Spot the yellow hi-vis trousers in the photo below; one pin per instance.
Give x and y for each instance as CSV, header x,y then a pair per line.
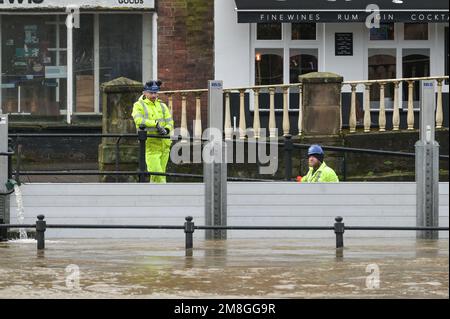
x,y
157,156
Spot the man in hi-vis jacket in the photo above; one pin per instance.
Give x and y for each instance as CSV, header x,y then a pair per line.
x,y
151,114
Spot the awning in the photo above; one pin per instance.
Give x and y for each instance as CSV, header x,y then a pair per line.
x,y
316,11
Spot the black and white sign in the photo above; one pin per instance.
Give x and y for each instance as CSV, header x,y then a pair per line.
x,y
343,43
320,11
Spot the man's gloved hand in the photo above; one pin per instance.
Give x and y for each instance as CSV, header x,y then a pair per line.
x,y
142,127
161,130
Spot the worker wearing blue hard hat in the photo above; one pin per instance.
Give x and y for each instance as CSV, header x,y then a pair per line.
x,y
318,172
152,115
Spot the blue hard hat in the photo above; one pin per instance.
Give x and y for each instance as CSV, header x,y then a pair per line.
x,y
315,150
152,86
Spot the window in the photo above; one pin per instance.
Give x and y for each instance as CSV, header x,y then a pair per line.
x,y
382,65
304,31
34,71
416,63
269,31
302,61
83,65
268,66
386,31
416,31
120,52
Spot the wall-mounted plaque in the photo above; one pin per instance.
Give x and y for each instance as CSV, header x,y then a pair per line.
x,y
343,43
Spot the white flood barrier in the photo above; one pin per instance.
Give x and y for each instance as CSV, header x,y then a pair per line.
x,y
249,204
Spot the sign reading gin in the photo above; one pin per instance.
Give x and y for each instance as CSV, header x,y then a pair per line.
x,y
84,4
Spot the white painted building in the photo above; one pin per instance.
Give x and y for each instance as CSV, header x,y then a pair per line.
x,y
256,42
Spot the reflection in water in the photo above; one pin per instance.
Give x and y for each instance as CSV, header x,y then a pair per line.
x,y
260,268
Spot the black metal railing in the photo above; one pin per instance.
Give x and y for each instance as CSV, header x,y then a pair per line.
x,y
189,228
288,147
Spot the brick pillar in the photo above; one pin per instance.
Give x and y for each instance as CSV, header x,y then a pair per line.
x,y
186,50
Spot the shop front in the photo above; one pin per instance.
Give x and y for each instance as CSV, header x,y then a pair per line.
x,y
55,57
273,42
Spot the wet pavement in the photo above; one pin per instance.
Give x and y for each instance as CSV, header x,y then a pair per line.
x,y
282,268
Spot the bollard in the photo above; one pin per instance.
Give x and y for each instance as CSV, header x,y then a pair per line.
x,y
189,231
142,137
288,157
41,226
339,231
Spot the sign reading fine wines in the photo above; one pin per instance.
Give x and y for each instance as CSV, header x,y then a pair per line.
x,y
330,16
57,4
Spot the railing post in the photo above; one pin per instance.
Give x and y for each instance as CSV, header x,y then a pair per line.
x,y
198,117
367,119
189,231
227,126
396,114
352,120
288,157
439,114
117,158
286,123
170,98
300,110
242,122
18,154
142,137
256,118
272,122
382,113
41,226
3,232
410,118
11,150
184,129
339,229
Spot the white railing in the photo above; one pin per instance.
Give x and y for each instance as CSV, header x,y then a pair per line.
x,y
381,84
286,89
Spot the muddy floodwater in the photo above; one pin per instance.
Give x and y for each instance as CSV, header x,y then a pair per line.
x,y
247,268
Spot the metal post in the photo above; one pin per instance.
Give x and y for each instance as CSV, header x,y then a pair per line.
x,y
3,231
288,157
339,229
117,157
10,149
427,165
142,137
215,167
345,167
18,151
41,226
4,175
189,231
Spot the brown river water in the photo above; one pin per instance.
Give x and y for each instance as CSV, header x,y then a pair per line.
x,y
244,268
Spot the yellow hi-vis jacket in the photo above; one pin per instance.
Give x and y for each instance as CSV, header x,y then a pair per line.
x,y
148,113
323,174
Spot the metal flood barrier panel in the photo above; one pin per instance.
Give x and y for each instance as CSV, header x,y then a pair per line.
x,y
248,204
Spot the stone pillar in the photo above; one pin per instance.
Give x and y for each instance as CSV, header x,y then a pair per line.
x,y
118,97
321,103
